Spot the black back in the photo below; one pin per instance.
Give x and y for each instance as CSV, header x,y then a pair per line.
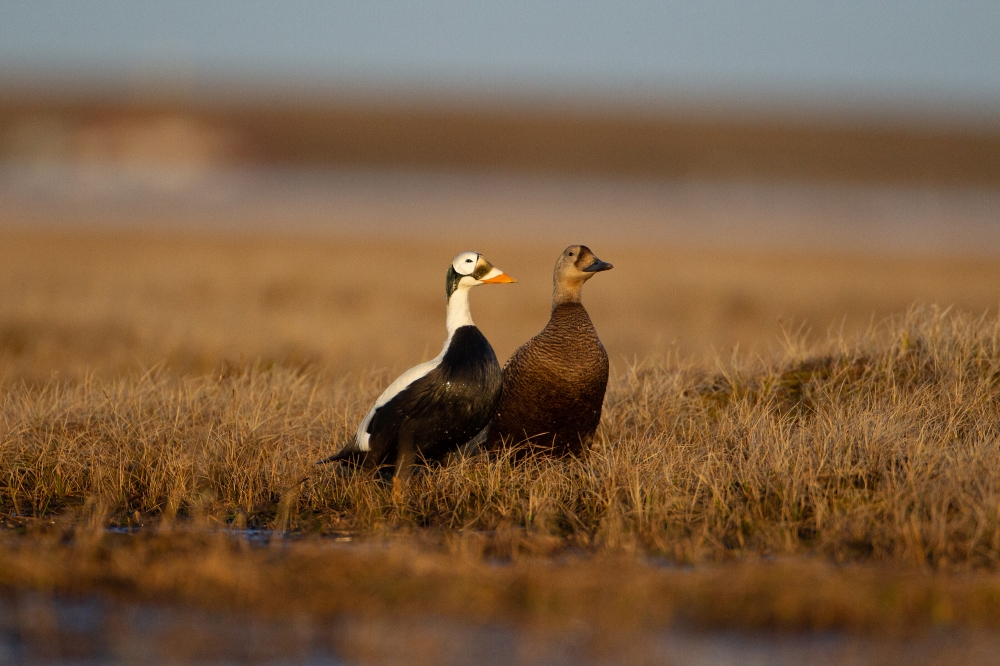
x,y
445,408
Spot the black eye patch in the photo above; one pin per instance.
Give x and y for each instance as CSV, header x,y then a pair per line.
x,y
481,271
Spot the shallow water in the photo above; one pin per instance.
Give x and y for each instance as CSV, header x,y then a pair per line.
x,y
35,628
251,536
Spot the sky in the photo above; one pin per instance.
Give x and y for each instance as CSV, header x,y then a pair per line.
x,y
925,52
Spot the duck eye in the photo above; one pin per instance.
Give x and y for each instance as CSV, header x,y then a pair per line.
x,y
468,261
571,254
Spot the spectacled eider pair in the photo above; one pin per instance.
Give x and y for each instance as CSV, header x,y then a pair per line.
x,y
549,395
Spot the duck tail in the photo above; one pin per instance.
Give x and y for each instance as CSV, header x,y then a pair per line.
x,y
348,454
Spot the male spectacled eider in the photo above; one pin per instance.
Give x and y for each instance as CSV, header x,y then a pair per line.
x,y
435,407
553,385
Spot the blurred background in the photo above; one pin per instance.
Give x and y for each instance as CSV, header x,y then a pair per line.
x,y
202,182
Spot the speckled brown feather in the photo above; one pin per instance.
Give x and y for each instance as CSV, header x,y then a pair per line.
x,y
553,385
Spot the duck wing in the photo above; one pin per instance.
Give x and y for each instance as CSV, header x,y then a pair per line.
x,y
360,444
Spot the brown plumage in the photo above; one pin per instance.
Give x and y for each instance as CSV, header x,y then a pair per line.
x,y
553,385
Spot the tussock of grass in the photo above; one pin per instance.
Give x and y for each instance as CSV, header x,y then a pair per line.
x,y
403,577
885,448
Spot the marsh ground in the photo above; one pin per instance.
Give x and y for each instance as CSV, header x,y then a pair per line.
x,y
108,302
776,453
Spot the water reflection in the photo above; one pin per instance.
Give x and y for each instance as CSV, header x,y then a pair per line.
x,y
35,628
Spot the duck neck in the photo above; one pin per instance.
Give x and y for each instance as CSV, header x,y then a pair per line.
x,y
566,291
458,310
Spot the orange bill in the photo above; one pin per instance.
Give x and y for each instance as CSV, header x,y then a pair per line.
x,y
502,278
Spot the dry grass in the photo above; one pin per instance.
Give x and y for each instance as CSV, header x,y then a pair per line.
x,y
396,602
110,304
884,450
405,577
864,462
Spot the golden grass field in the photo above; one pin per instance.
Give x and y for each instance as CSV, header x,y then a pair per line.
x,y
790,441
109,303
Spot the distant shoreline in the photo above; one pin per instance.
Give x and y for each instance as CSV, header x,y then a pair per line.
x,y
563,136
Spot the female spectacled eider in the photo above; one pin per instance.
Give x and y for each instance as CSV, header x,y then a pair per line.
x,y
437,406
553,385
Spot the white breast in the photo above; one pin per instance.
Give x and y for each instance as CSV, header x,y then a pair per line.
x,y
458,316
